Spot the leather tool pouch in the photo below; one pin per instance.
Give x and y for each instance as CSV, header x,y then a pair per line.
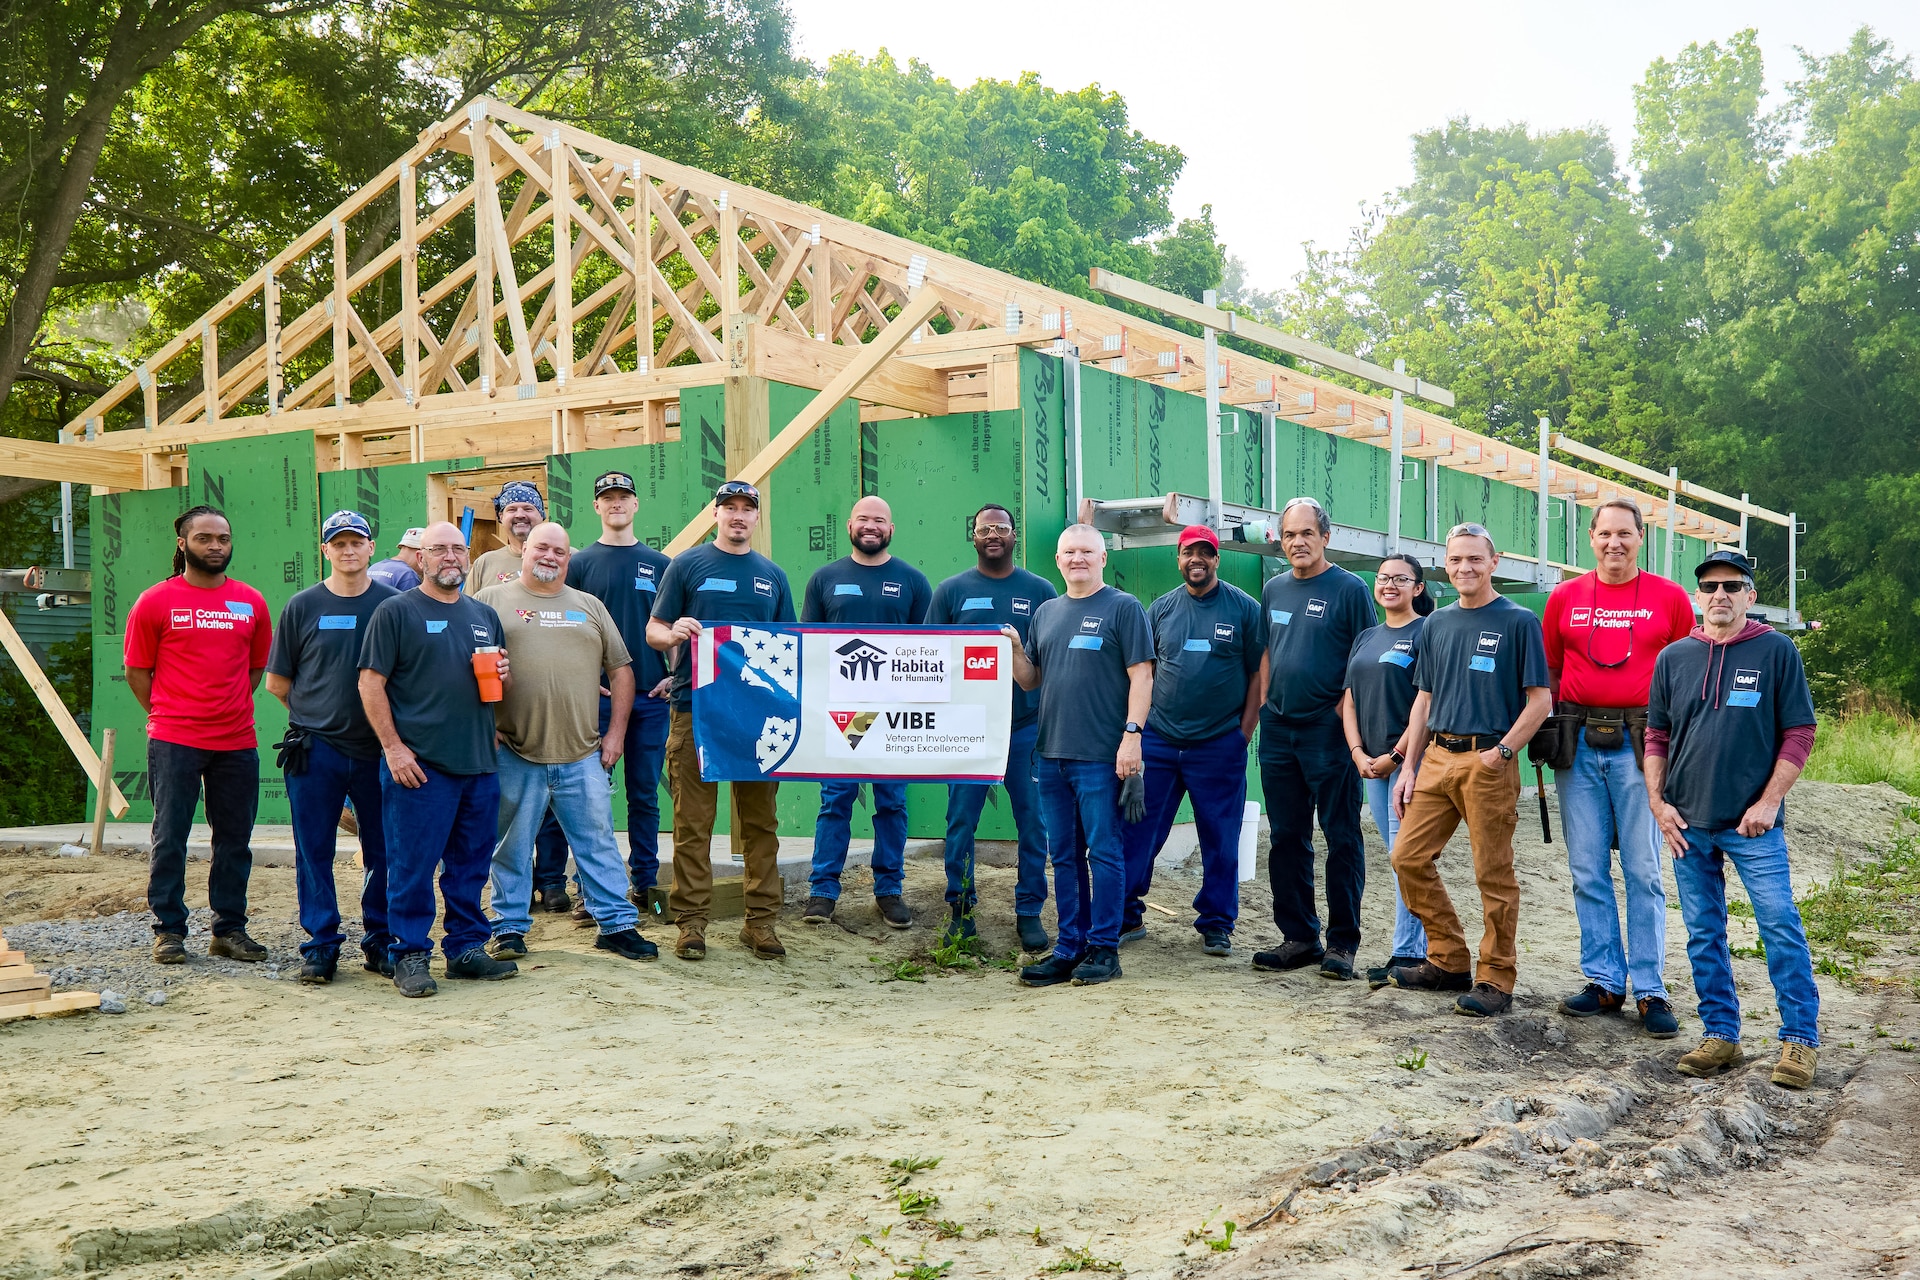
x,y
1554,742
1606,730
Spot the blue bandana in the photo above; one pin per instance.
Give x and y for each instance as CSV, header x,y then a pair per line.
x,y
520,491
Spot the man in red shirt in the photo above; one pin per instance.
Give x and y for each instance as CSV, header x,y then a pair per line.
x,y
1603,631
196,647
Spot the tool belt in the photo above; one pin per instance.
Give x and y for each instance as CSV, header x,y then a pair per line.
x,y
292,749
1474,742
1606,729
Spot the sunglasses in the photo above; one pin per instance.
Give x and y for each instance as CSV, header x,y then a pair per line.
x,y
1730,586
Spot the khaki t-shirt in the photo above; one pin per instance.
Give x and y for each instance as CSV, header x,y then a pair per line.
x,y
502,564
557,648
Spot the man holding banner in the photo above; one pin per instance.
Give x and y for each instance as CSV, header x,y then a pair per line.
x,y
870,587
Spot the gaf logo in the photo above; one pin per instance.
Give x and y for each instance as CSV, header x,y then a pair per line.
x,y
1021,608
1489,642
982,662
1316,608
890,590
1580,618
860,660
763,585
1090,626
1223,631
1746,680
182,618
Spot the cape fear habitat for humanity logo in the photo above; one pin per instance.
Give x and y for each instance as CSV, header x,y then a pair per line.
x,y
860,660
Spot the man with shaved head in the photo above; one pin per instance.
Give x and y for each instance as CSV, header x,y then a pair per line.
x,y
868,587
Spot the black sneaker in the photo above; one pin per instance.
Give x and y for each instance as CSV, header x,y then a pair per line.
x,y
1033,935
1594,999
1132,932
1484,1001
411,977
169,948
237,946
1657,1020
555,901
379,962
894,911
1101,965
819,910
318,971
1428,976
628,943
1378,978
475,963
1288,955
1050,972
1217,942
959,927
507,946
1338,965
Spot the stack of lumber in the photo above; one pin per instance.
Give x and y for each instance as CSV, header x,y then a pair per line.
x,y
27,994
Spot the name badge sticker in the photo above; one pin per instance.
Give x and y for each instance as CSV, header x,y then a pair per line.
x,y
646,584
1198,646
1084,642
1281,617
1743,698
576,615
847,589
976,602
436,625
1481,662
1399,659
239,608
1746,689
719,584
338,622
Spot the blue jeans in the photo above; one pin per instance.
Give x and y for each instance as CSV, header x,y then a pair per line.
x,y
833,831
1080,802
582,802
315,796
1214,773
642,759
1762,864
175,775
1409,935
447,822
965,800
1303,768
1603,801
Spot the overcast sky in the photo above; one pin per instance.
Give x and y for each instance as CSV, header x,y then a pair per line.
x,y
1294,115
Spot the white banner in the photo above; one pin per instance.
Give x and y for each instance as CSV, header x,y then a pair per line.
x,y
779,701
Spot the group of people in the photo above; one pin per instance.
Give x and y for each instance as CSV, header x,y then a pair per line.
x,y
471,720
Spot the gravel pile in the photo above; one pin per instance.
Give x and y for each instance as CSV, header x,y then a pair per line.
x,y
115,952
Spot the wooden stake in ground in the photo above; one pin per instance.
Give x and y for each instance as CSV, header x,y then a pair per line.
x,y
102,782
57,710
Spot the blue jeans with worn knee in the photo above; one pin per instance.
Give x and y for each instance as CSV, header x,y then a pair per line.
x,y
448,823
582,803
643,756
1080,802
833,832
1702,877
1603,802
1214,774
1409,935
966,800
315,795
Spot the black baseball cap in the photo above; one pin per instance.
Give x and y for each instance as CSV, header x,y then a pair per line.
x,y
610,480
736,489
1731,559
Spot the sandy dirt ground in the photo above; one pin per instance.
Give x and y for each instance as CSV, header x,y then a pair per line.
x,y
741,1118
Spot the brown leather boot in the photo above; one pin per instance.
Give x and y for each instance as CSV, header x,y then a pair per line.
x,y
1710,1059
1795,1069
762,940
693,942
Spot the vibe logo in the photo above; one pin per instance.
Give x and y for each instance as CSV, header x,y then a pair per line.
x,y
981,662
860,660
854,725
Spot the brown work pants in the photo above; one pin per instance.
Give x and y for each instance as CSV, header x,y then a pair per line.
x,y
756,834
1451,787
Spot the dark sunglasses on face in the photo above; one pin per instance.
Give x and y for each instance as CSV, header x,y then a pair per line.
x,y
1731,586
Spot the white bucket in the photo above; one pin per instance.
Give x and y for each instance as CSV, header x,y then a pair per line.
x,y
1249,840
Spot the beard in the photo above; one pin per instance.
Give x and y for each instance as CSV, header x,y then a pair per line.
x,y
872,540
543,574
213,564
521,528
450,576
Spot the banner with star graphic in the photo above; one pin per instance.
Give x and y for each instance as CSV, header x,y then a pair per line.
x,y
783,701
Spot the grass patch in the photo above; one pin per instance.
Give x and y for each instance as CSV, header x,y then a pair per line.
x,y
1878,896
1082,1259
1411,1061
914,1164
899,970
1870,740
912,1201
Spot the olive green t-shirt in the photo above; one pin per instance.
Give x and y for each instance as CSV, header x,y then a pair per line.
x,y
557,648
502,564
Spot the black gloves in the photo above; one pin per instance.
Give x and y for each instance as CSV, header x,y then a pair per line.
x,y
1133,797
293,750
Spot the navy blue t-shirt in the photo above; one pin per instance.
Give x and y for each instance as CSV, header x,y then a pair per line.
x,y
717,586
1207,650
1380,674
317,646
1478,664
1311,626
1726,709
971,599
627,581
425,650
1083,649
849,593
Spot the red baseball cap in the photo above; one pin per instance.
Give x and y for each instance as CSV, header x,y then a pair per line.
x,y
1198,533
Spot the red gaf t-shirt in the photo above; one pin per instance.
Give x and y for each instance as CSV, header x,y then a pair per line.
x,y
1588,623
203,644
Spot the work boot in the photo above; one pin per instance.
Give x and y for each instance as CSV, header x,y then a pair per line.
x,y
1428,976
1050,972
692,944
894,911
760,939
819,910
237,946
411,977
1134,932
1795,1068
1710,1059
169,948
1217,942
582,918
554,900
476,964
1101,965
379,962
1033,935
1484,1001
1592,1000
1338,965
1288,955
507,946
1657,1020
318,971
1378,978
959,928
628,943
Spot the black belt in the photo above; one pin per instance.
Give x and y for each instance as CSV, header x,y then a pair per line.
x,y
1475,742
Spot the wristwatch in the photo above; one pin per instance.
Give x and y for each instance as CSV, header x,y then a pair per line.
x,y
1397,757
1506,752
1132,727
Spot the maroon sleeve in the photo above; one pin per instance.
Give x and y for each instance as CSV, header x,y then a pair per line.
x,y
1796,744
1657,742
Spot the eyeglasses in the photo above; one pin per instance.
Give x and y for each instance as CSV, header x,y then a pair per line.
x,y
441,552
1727,585
1394,579
993,530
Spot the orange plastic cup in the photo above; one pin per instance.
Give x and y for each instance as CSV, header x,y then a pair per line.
x,y
486,670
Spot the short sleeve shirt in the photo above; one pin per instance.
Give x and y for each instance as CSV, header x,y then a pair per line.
x,y
1478,665
395,573
425,649
972,599
203,645
1311,626
1603,639
717,586
318,648
558,647
1083,649
493,568
1725,709
1380,675
851,593
627,581
1207,650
